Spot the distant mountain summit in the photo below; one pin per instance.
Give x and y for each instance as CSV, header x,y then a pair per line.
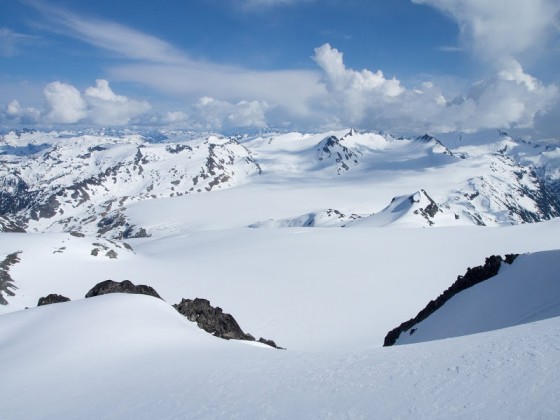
x,y
84,181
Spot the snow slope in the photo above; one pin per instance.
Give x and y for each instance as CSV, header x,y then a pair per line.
x,y
130,356
308,289
527,290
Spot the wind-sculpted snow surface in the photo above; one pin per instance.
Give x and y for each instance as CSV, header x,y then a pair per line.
x,y
133,356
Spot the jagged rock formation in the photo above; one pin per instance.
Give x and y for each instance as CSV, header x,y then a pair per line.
x,y
214,321
126,286
7,285
52,298
473,276
332,149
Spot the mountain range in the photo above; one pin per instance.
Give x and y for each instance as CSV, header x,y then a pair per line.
x,y
326,243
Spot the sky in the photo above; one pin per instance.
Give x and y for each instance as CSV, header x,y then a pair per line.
x,y
401,66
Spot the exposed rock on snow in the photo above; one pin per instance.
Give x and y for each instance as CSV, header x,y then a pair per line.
x,y
126,286
331,149
214,321
52,298
473,276
324,218
7,225
7,285
417,209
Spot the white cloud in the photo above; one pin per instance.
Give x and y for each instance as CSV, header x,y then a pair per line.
x,y
216,114
510,98
267,4
502,28
225,96
107,108
65,104
175,117
15,113
355,91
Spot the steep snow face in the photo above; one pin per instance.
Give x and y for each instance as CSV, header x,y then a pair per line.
x,y
526,291
133,356
417,209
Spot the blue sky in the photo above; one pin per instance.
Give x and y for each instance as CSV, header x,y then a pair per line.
x,y
400,65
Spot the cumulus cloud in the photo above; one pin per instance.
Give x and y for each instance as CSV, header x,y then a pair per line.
x,y
107,108
221,96
216,114
15,113
510,98
502,27
65,104
356,91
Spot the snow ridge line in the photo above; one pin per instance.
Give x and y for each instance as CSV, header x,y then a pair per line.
x,y
472,277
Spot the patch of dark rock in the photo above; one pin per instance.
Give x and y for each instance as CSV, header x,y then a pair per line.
x,y
59,250
96,149
77,234
270,343
177,148
52,298
111,254
7,285
112,221
126,286
134,232
7,225
472,277
214,321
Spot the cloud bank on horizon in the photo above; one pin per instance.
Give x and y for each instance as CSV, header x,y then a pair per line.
x,y
213,95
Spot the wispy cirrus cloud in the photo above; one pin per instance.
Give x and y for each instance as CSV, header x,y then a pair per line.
x,y
220,95
11,41
502,28
258,5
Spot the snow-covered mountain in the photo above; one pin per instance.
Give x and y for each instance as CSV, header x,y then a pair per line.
x,y
61,181
376,227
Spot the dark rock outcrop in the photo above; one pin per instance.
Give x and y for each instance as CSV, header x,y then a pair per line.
x,y
126,286
473,276
214,321
52,298
7,285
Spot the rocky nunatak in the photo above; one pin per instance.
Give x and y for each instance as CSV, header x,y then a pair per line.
x,y
126,286
52,298
214,321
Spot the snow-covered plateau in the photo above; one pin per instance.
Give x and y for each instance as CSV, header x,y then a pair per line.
x,y
321,242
